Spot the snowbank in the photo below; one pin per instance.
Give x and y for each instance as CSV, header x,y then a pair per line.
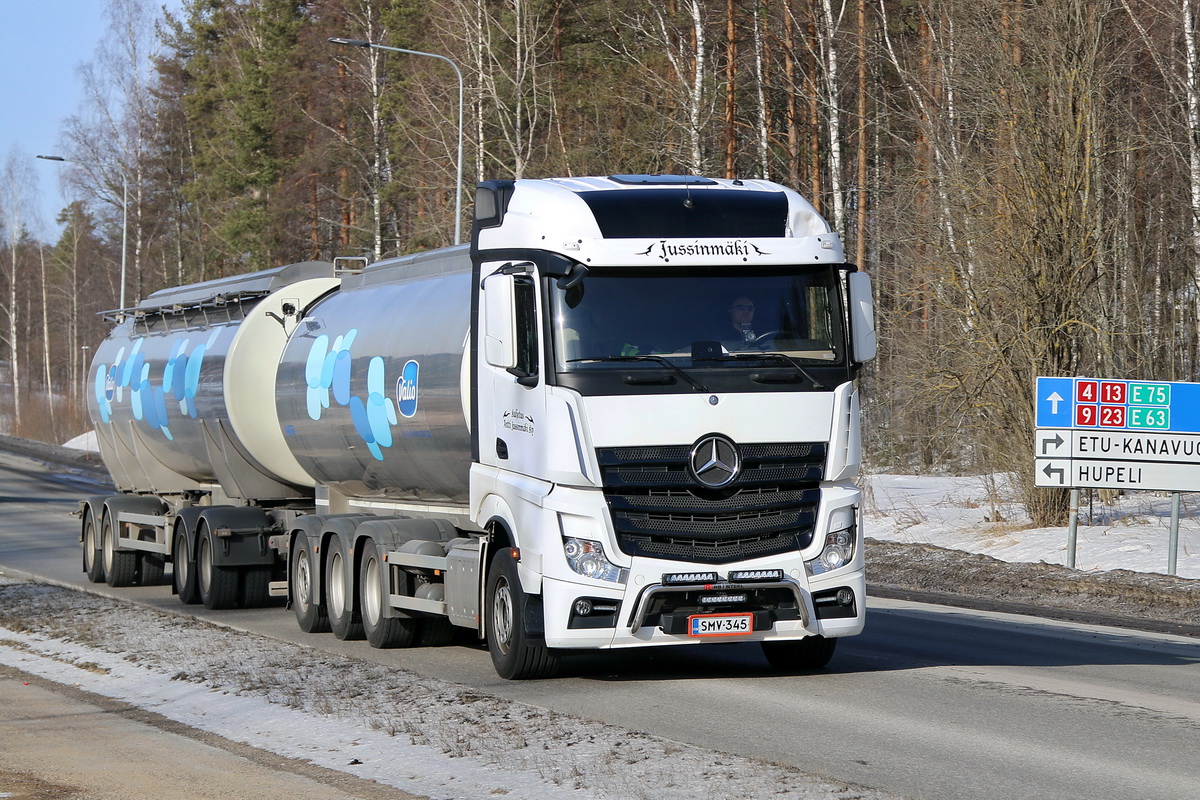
x,y
978,514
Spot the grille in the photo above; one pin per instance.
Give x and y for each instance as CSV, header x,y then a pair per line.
x,y
660,511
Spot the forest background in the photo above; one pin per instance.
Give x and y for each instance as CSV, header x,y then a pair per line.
x,y
1020,177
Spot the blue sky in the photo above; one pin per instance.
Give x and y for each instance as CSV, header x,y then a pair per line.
x,y
43,43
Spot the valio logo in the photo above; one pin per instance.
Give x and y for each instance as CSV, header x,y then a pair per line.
x,y
406,389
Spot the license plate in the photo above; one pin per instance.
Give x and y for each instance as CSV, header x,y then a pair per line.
x,y
720,624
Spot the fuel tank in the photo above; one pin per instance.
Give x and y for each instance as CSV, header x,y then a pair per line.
x,y
371,386
182,390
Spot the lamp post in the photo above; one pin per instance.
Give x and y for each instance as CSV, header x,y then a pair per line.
x,y
458,72
83,382
124,209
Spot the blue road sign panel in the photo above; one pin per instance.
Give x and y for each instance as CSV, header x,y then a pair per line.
x,y
1115,404
1054,406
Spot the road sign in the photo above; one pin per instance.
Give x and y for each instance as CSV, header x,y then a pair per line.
x,y
1125,445
1102,433
1112,474
1115,404
1054,402
1117,434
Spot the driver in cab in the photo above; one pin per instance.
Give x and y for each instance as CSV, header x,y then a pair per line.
x,y
741,318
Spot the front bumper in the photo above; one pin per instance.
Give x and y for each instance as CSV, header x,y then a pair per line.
x,y
648,612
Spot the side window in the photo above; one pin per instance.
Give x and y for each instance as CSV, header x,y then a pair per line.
x,y
525,302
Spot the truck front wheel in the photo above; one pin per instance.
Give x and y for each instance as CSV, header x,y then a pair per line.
x,y
514,654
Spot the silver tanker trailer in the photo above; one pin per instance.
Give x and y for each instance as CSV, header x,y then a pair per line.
x,y
623,416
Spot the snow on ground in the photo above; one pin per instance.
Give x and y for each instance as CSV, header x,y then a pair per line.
x,y
979,515
421,735
84,441
441,740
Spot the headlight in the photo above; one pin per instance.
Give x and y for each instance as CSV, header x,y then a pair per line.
x,y
587,558
837,552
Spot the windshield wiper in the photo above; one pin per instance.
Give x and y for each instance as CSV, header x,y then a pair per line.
x,y
699,387
778,356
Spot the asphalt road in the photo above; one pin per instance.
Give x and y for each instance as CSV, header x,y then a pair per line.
x,y
931,702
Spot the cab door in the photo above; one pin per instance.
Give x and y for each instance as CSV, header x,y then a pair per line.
x,y
511,386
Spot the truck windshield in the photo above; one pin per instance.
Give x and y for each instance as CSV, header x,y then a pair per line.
x,y
699,319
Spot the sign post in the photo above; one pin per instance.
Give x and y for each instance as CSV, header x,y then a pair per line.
x,y
1118,434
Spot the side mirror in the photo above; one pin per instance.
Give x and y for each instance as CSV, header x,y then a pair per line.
x,y
862,318
499,322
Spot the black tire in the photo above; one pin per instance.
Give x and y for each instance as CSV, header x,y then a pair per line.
x,y
255,586
302,582
151,568
381,631
803,655
515,655
217,585
93,560
340,598
183,571
120,569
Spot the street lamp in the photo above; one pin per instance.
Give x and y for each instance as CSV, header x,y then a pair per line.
x,y
84,369
124,208
458,72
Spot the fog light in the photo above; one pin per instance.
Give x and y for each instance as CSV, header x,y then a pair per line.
x,y
583,607
845,597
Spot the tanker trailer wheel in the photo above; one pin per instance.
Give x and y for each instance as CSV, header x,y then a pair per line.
x,y
218,586
515,656
339,592
93,563
803,655
301,584
119,568
381,631
183,569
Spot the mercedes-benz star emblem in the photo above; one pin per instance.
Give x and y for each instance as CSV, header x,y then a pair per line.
x,y
715,461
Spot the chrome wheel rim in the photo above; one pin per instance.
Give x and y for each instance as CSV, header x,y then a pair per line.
x,y
502,615
204,563
372,589
337,582
303,580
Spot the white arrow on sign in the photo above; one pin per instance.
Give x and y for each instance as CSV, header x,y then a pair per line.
x,y
1055,398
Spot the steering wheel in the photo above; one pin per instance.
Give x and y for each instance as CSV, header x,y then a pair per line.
x,y
762,339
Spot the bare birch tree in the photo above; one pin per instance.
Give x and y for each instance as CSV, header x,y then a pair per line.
x,y
363,68
509,47
111,130
682,42
828,25
18,187
1181,76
